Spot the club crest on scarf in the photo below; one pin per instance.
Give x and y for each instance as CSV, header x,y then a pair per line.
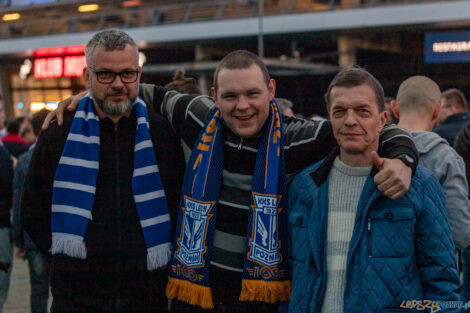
x,y
191,247
264,244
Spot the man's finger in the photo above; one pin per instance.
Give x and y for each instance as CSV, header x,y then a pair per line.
x,y
388,184
376,160
391,189
398,194
47,121
381,177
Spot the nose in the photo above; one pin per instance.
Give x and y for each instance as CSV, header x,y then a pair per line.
x,y
242,103
350,118
117,83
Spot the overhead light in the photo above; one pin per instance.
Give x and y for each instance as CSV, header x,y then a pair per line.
x,y
11,16
37,106
88,8
131,3
25,69
142,59
51,105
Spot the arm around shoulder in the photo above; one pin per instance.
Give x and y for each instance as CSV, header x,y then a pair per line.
x,y
397,142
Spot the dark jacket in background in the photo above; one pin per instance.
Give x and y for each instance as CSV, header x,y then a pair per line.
x,y
462,146
6,179
20,238
114,276
15,145
451,126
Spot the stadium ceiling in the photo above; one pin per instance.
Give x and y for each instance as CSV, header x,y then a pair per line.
x,y
276,67
397,15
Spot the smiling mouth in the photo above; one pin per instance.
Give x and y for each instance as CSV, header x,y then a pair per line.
x,y
350,134
244,118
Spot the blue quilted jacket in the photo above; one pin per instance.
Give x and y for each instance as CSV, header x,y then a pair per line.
x,y
400,249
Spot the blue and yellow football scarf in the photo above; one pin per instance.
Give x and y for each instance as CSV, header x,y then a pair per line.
x,y
265,274
74,187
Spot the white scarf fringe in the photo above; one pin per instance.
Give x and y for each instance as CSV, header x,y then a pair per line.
x,y
158,256
71,245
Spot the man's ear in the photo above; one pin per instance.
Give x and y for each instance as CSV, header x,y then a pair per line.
x,y
394,106
214,95
140,73
86,77
272,88
436,111
383,118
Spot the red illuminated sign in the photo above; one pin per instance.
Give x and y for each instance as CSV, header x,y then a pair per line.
x,y
60,61
73,65
59,51
48,67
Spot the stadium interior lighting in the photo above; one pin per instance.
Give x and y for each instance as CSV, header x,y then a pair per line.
x,y
131,3
88,8
37,106
11,16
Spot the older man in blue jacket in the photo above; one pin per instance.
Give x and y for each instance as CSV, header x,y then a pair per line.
x,y
353,249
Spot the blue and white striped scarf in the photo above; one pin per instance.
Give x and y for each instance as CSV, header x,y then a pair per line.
x,y
75,186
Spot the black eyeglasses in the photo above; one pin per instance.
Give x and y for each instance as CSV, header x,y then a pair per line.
x,y
107,77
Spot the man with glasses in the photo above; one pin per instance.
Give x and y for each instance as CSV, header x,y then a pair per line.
x,y
102,191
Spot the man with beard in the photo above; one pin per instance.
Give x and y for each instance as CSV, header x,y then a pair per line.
x,y
101,189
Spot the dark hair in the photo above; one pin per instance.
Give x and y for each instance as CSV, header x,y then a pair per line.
x,y
37,120
13,127
456,96
353,77
240,59
183,84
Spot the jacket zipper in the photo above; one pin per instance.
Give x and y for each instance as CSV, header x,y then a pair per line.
x,y
369,238
240,144
119,218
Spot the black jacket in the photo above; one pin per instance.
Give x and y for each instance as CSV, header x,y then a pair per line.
x,y
114,277
6,187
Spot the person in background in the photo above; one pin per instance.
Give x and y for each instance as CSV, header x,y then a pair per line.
x,y
15,145
38,261
183,84
454,115
285,106
391,118
27,132
6,251
418,106
462,146
353,249
3,129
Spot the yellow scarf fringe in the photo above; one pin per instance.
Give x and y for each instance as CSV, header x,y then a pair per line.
x,y
190,293
265,291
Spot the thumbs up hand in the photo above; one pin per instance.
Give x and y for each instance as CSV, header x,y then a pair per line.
x,y
394,176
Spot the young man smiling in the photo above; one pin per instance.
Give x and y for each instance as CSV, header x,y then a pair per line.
x,y
242,92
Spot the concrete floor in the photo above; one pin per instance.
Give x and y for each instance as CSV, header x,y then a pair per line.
x,y
18,296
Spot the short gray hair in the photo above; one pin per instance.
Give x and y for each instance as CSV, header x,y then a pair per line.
x,y
110,39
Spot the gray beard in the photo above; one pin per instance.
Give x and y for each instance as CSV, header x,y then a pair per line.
x,y
114,109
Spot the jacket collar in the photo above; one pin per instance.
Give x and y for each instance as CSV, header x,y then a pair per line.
x,y
320,175
463,116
